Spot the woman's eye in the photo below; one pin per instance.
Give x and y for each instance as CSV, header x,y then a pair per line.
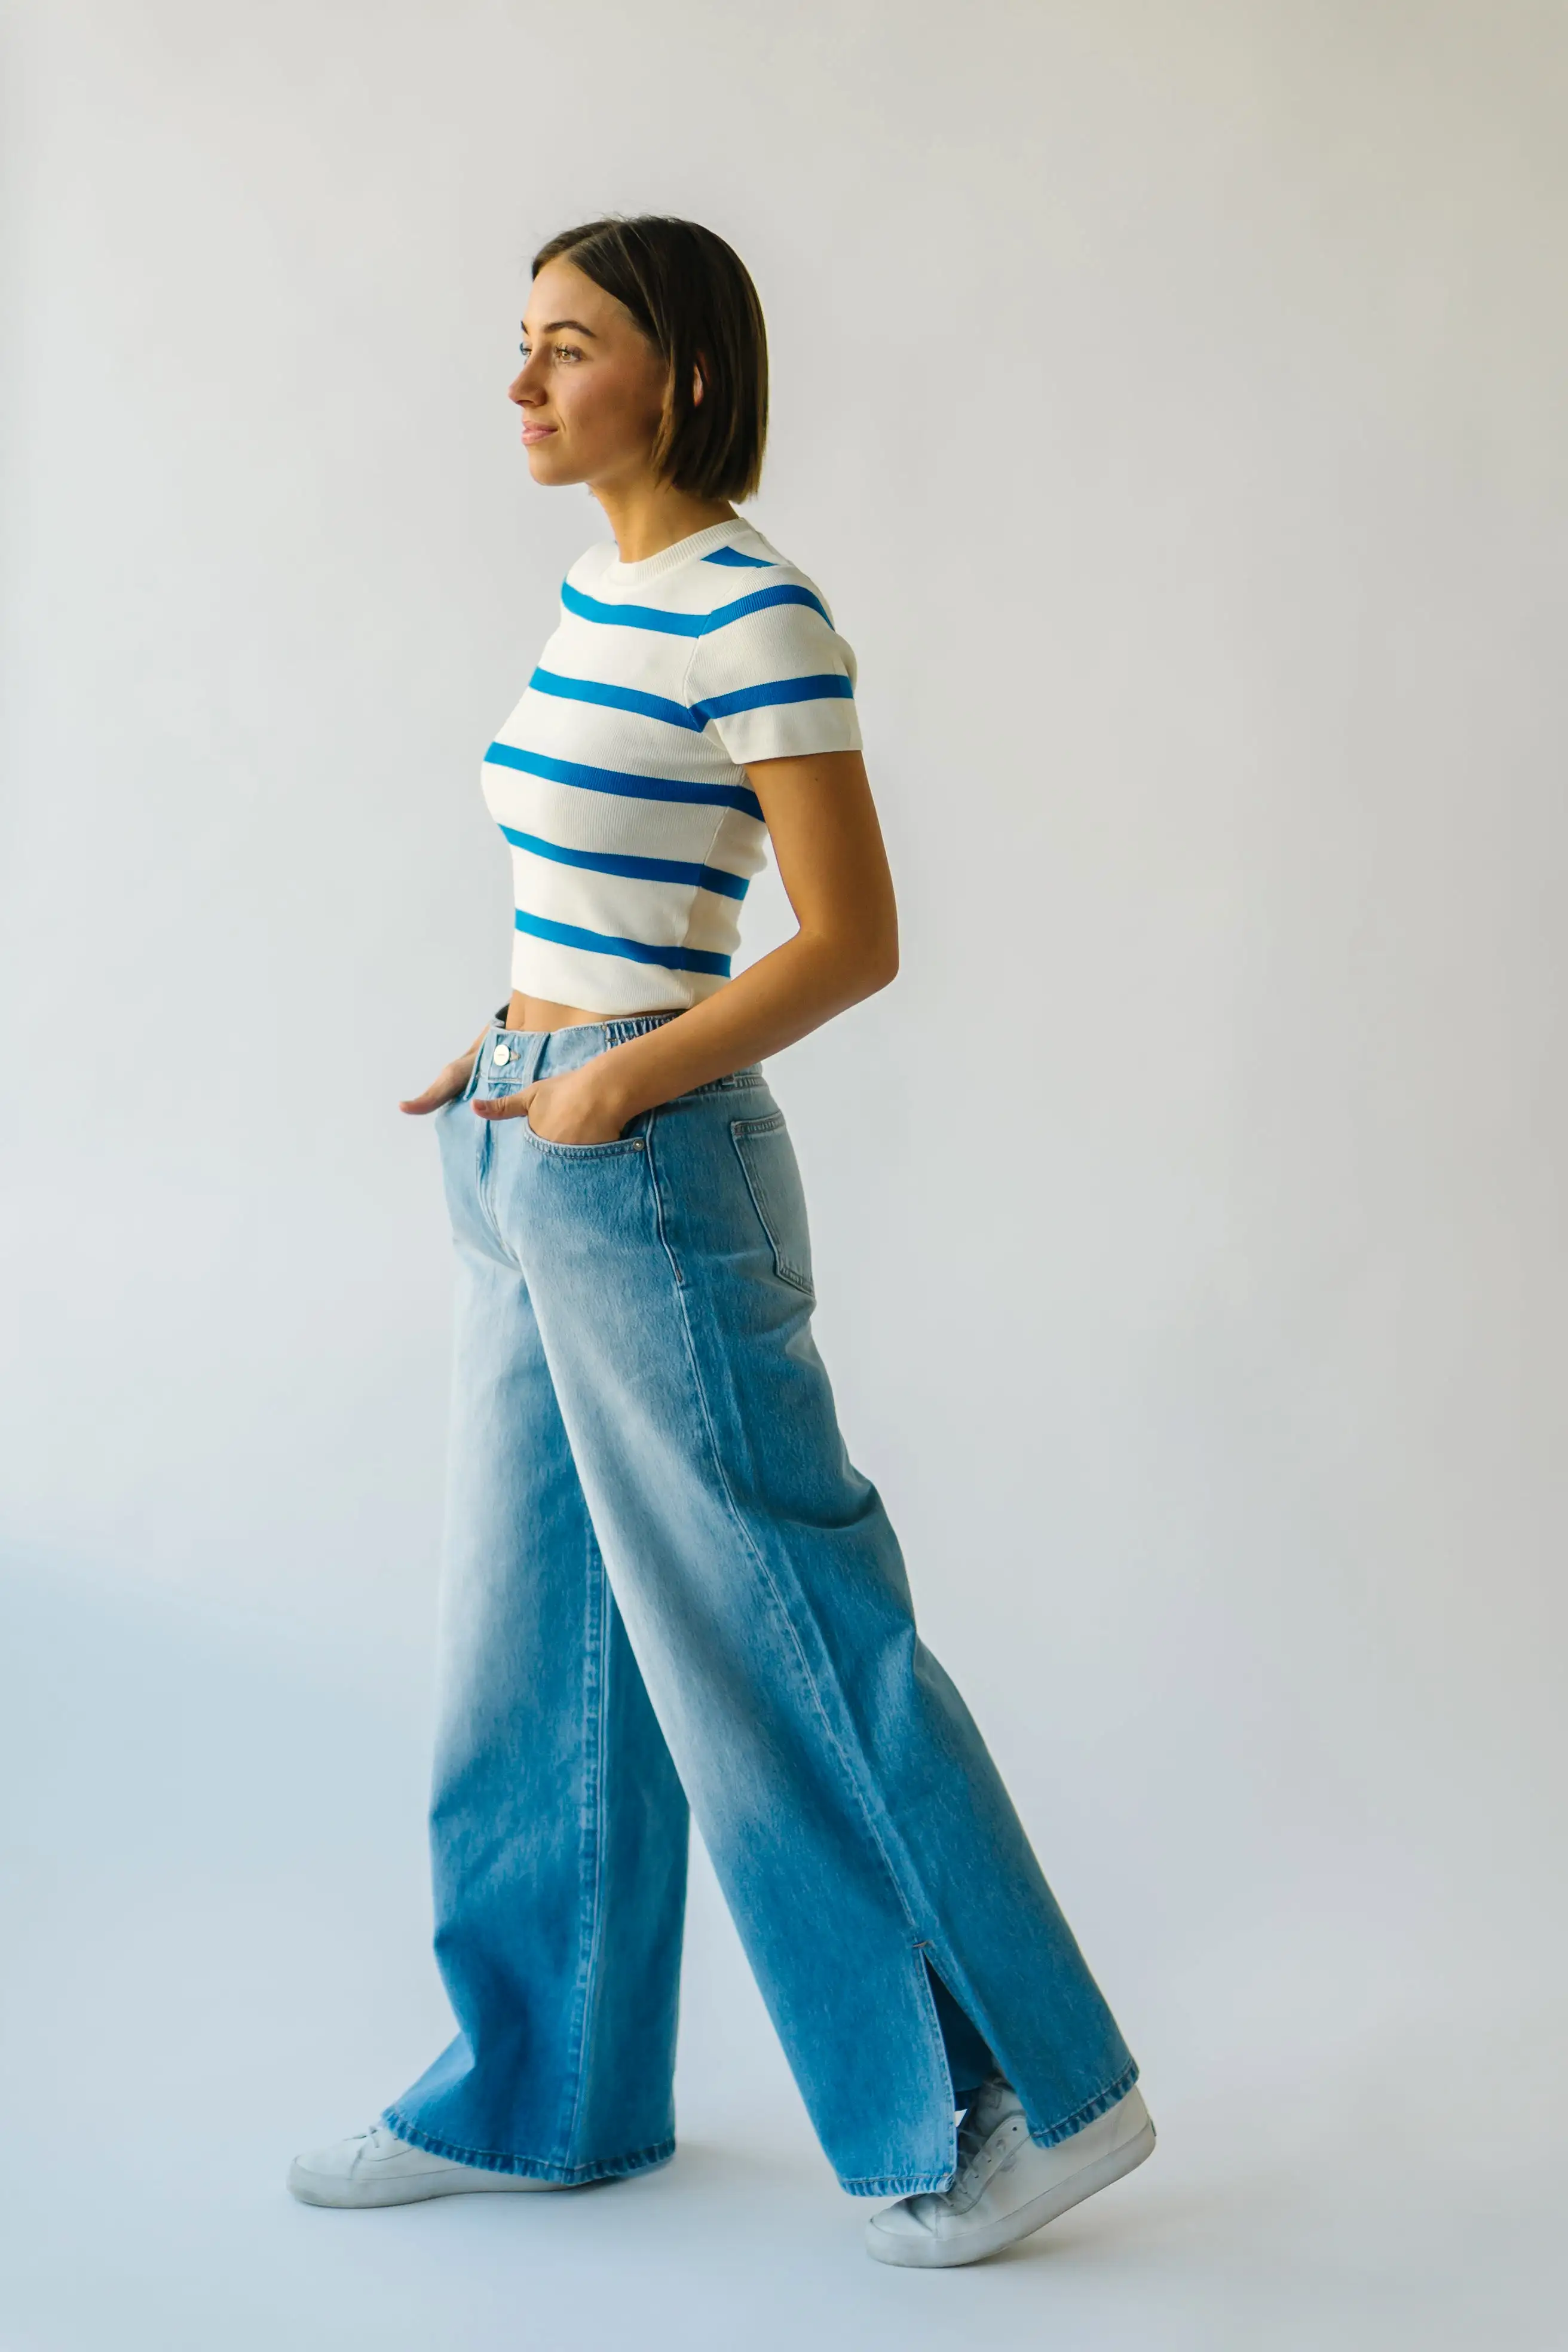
x,y
558,350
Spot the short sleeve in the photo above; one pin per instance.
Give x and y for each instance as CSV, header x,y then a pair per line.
x,y
772,678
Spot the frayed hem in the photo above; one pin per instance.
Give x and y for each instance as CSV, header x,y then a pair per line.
x,y
893,2184
528,2167
1083,2117
916,2184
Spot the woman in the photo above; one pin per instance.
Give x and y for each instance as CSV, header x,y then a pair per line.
x,y
663,1579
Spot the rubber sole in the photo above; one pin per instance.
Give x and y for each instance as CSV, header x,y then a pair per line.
x,y
317,2188
951,2252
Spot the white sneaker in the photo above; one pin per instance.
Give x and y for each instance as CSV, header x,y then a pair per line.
x,y
1005,2186
377,2167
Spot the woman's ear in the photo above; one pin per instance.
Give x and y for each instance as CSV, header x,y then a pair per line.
x,y
697,379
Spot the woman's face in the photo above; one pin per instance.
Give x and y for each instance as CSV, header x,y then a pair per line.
x,y
591,387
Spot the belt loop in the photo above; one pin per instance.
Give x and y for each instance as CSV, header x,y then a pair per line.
x,y
536,1045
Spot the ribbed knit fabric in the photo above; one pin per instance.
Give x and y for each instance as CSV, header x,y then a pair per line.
x,y
619,780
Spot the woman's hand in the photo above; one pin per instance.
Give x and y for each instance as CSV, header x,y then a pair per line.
x,y
582,1105
828,849
448,1086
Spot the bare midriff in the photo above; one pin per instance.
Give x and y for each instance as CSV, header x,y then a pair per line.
x,y
537,1013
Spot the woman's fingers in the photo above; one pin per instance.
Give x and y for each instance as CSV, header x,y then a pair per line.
x,y
444,1089
506,1106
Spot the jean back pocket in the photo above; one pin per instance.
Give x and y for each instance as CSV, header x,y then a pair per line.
x,y
773,1177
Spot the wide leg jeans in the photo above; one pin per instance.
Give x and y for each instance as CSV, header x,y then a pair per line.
x,y
664,1584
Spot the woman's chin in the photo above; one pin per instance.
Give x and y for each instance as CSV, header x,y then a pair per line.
x,y
548,462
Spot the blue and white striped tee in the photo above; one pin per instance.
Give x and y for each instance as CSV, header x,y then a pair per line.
x,y
619,780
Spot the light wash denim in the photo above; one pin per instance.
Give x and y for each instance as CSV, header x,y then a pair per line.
x,y
664,1580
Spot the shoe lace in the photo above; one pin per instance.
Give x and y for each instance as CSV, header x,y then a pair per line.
x,y
980,2118
970,2140
374,2142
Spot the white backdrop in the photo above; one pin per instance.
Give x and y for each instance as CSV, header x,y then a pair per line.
x,y
1170,404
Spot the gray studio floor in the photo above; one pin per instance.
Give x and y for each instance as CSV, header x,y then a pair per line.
x,y
213,1953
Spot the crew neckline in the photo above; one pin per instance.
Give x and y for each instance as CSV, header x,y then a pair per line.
x,y
696,544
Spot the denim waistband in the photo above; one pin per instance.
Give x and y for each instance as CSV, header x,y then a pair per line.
x,y
517,1056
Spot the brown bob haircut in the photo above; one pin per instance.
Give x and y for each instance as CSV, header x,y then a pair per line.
x,y
690,295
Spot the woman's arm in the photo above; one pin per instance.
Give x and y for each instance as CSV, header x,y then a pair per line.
x,y
828,845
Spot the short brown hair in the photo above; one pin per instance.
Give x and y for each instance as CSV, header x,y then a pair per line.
x,y
691,296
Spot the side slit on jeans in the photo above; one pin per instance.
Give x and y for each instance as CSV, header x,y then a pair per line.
x,y
970,2058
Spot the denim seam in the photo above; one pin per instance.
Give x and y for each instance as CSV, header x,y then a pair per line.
x,y
889,2185
850,1776
484,1178
618,1148
593,1826
894,2184
526,2168
745,1533
742,1131
1091,2108
789,1628
658,1217
958,1984
958,1979
923,1965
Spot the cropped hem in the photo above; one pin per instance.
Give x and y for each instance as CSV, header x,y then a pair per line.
x,y
895,2184
529,2168
1081,2116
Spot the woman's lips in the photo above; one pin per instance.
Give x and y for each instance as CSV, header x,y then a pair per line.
x,y
536,432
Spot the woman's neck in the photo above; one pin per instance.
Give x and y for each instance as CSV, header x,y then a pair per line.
x,y
650,517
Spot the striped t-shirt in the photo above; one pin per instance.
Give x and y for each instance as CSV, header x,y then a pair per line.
x,y
619,780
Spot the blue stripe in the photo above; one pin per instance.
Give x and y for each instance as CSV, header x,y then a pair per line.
x,y
614,697
686,625
733,555
827,688
567,935
635,869
631,788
